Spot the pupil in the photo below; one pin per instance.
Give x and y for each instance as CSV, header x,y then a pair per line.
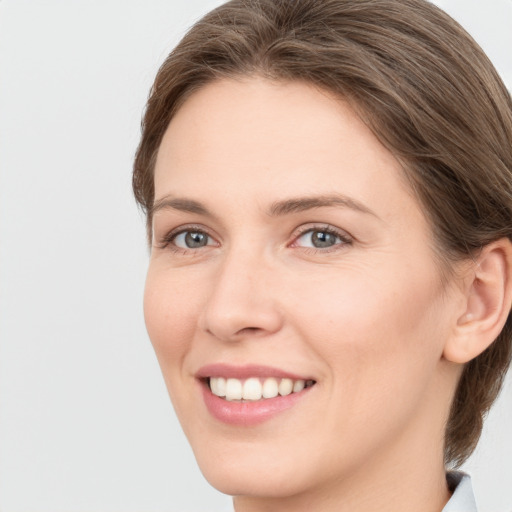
x,y
195,240
323,239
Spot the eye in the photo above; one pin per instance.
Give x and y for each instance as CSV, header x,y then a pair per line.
x,y
191,239
321,238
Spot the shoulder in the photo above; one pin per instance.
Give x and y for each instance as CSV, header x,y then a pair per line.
x,y
463,499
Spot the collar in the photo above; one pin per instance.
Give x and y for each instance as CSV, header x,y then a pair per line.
x,y
463,499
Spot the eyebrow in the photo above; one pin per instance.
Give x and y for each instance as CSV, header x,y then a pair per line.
x,y
300,204
277,209
179,203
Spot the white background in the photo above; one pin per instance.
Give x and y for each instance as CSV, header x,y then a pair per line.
x,y
85,422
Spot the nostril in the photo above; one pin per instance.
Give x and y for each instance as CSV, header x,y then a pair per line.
x,y
249,330
229,317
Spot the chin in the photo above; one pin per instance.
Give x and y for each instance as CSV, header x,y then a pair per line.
x,y
260,467
242,478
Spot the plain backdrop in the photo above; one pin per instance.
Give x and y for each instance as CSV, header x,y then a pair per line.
x,y
85,422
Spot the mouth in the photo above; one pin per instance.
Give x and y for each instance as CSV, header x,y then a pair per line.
x,y
249,395
254,389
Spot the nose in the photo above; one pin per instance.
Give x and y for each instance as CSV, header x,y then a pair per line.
x,y
243,300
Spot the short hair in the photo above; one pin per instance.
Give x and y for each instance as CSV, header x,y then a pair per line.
x,y
420,83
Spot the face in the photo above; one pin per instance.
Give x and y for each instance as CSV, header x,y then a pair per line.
x,y
292,298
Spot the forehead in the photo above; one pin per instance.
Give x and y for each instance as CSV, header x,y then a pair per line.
x,y
263,140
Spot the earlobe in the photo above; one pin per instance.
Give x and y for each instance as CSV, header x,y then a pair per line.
x,y
488,298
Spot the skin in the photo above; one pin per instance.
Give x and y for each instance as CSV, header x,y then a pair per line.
x,y
368,317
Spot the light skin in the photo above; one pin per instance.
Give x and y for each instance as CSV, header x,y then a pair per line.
x,y
255,170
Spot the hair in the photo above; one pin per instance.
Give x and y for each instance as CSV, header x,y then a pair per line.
x,y
422,85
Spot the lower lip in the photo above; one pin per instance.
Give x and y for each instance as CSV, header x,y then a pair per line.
x,y
249,413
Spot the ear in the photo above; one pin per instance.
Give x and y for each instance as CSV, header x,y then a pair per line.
x,y
487,303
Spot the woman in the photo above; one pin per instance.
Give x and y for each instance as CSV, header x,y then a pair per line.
x,y
328,189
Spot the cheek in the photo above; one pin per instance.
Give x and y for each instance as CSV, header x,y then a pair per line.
x,y
170,312
377,330
386,305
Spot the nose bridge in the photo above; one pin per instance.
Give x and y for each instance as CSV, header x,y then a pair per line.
x,y
241,301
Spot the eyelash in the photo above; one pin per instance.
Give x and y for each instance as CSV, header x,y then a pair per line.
x,y
167,241
330,230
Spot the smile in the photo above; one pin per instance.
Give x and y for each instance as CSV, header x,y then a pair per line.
x,y
250,394
255,388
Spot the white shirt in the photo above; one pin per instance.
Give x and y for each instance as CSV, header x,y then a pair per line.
x,y
463,499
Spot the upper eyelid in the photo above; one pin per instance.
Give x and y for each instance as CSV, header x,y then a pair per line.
x,y
188,227
322,227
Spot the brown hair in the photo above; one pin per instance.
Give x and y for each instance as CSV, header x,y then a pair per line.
x,y
423,86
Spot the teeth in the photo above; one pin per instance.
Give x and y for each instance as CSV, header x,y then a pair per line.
x,y
270,388
298,385
218,386
255,388
252,389
285,387
233,389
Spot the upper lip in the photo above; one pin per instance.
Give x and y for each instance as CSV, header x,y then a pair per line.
x,y
245,372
